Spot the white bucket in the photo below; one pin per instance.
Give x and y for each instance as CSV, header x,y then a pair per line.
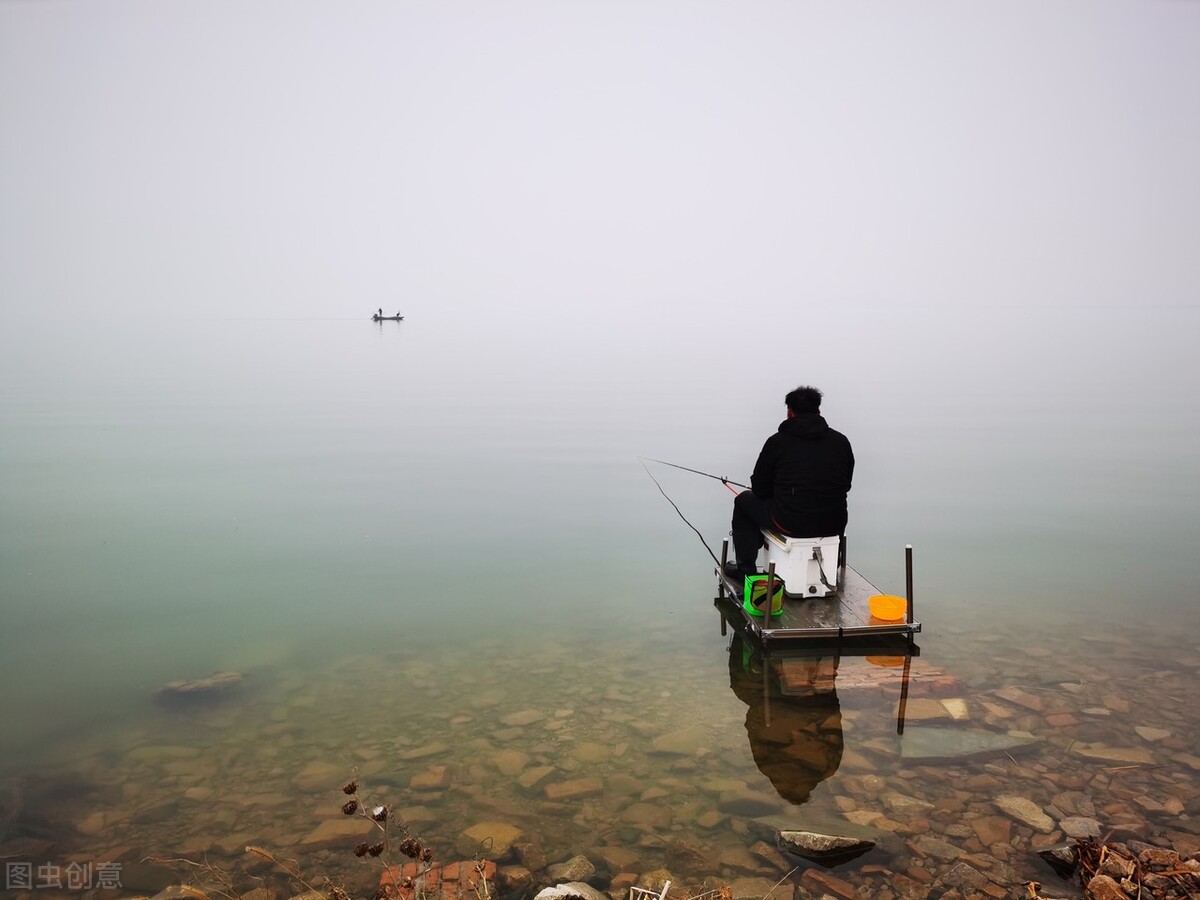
x,y
797,563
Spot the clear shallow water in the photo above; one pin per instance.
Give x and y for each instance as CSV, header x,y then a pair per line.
x,y
351,513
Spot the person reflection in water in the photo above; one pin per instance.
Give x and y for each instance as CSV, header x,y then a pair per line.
x,y
795,732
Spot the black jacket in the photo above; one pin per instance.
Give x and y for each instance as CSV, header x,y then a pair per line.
x,y
805,470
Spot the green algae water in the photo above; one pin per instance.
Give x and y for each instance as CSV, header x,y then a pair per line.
x,y
432,555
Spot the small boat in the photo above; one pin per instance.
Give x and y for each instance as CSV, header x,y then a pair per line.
x,y
378,318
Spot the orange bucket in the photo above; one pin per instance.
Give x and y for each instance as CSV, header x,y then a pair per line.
x,y
888,607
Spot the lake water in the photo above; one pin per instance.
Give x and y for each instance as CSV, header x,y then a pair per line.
x,y
431,543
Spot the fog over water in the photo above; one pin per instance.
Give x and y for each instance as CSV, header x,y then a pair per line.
x,y
613,230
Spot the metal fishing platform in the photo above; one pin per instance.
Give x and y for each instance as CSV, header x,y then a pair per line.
x,y
841,621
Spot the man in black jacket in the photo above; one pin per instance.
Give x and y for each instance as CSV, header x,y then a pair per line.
x,y
799,484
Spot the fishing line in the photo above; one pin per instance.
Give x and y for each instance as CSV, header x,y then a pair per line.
x,y
677,509
720,478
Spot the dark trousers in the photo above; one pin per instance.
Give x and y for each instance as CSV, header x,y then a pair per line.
x,y
751,514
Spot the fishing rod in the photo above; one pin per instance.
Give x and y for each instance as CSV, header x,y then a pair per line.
x,y
720,478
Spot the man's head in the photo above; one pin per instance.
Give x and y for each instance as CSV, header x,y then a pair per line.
x,y
803,399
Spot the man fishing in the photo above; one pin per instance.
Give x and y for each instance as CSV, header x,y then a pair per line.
x,y
799,484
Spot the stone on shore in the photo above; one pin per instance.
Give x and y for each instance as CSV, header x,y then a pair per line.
x,y
516,879
571,890
577,868
1102,887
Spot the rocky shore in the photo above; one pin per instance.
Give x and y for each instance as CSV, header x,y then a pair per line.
x,y
615,778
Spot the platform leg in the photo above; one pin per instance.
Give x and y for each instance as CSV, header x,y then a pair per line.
x,y
720,575
908,579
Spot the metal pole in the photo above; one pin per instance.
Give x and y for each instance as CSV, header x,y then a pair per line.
x,y
908,580
721,574
841,572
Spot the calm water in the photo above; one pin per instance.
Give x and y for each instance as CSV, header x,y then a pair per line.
x,y
353,514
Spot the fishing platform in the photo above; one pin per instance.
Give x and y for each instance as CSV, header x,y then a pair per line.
x,y
815,615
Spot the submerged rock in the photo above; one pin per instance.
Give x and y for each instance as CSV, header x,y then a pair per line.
x,y
1147,733
577,868
822,847
747,802
1105,753
967,879
684,742
1025,810
920,744
1063,858
1080,827
333,833
210,688
490,840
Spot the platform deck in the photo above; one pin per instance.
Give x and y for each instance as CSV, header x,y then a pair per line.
x,y
841,617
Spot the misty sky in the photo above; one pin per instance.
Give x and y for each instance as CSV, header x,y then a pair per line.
x,y
305,158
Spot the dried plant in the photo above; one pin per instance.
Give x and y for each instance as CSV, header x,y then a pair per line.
x,y
218,881
392,836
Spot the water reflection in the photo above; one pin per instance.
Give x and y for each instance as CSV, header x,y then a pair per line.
x,y
793,718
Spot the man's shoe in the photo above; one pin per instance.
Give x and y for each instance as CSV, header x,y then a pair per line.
x,y
737,572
